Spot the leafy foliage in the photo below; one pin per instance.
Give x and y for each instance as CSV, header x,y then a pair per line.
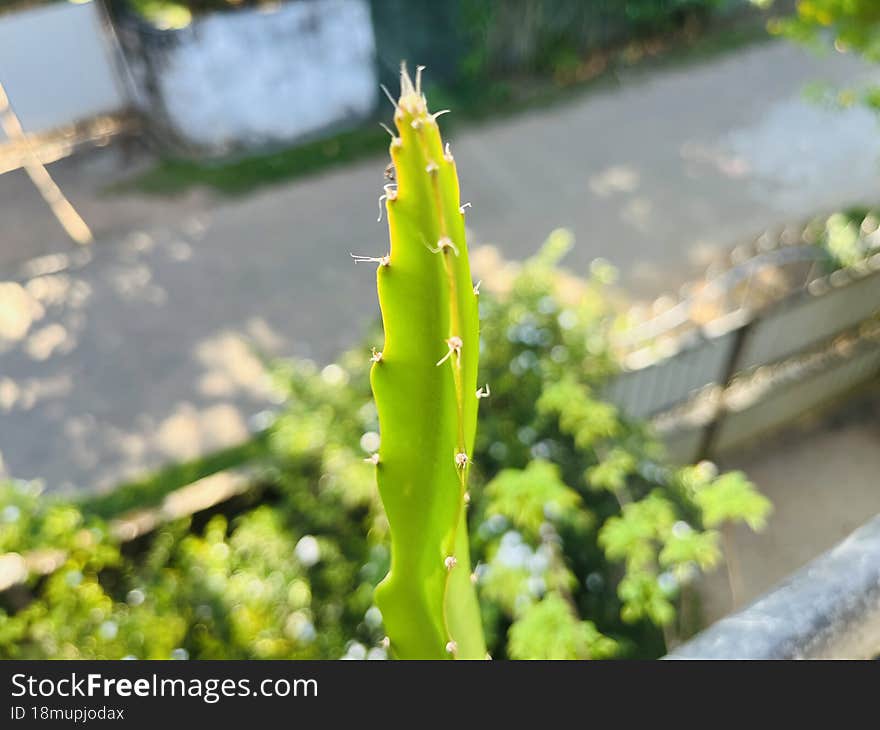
x,y
729,498
550,629
529,496
290,578
175,14
848,237
850,26
583,539
575,492
554,35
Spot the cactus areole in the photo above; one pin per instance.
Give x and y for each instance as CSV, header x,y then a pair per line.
x,y
425,386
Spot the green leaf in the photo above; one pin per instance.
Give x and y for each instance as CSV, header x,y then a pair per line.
x,y
632,535
732,498
611,472
549,629
643,598
688,546
587,420
529,497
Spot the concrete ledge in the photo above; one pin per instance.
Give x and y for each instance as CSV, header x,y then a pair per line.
x,y
830,609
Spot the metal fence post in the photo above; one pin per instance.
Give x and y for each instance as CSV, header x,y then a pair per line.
x,y
731,370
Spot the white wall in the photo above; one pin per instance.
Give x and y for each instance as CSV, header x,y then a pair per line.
x,y
56,65
252,77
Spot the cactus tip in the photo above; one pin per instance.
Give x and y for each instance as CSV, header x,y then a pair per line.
x,y
450,562
376,356
483,392
451,648
411,98
461,460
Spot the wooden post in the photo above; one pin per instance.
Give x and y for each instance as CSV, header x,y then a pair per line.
x,y
66,214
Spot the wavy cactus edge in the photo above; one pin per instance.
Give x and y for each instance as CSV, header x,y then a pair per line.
x,y
424,384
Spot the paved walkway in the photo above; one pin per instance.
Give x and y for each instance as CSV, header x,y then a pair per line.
x,y
138,355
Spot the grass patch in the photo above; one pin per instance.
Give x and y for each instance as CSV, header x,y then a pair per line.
x,y
235,177
476,102
150,490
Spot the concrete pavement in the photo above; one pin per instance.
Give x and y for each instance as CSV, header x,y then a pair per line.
x,y
140,354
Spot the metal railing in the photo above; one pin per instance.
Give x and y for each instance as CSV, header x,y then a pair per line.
x,y
707,386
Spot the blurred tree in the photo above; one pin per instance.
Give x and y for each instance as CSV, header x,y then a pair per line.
x,y
847,26
554,35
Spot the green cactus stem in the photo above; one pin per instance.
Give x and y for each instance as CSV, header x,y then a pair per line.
x,y
424,382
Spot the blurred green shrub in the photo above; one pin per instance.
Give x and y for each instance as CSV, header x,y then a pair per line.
x,y
847,26
554,35
847,237
175,14
584,541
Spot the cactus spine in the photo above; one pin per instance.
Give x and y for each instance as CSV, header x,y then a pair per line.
x,y
424,383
